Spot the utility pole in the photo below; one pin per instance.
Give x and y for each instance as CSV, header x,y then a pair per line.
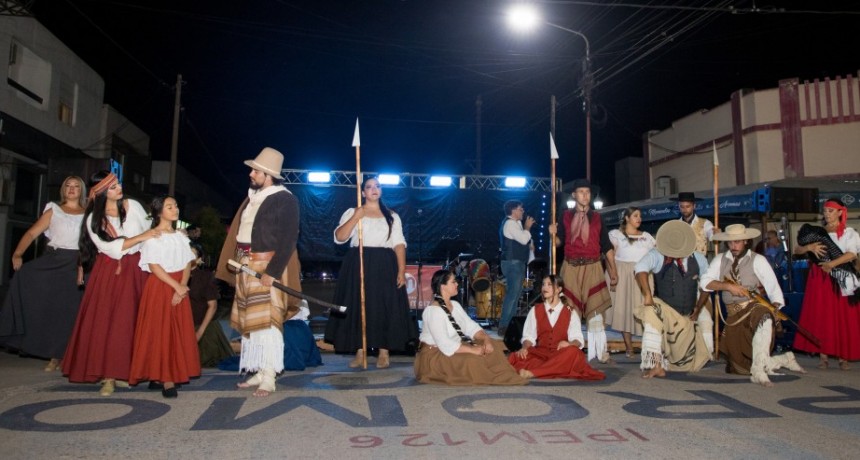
x,y
174,144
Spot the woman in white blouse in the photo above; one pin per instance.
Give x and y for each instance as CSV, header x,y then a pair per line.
x,y
44,295
100,346
389,323
455,350
631,244
165,343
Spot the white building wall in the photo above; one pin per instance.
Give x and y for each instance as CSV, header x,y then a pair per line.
x,y
60,72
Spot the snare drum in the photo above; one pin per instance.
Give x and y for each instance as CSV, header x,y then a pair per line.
x,y
479,275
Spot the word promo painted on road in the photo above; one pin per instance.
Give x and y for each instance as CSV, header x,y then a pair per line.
x,y
387,411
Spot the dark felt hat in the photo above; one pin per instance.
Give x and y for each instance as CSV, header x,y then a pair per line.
x,y
581,183
686,196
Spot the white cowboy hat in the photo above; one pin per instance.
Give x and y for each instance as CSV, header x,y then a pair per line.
x,y
676,239
270,161
737,232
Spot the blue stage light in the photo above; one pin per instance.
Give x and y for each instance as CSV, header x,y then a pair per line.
x,y
515,182
440,181
319,177
388,179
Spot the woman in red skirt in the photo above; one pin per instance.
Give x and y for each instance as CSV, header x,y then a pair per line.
x,y
99,349
830,309
165,344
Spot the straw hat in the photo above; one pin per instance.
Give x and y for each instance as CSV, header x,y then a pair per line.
x,y
676,239
270,161
737,232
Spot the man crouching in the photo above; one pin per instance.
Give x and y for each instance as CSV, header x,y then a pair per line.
x,y
748,338
676,328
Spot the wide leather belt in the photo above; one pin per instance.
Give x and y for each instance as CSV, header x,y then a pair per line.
x,y
580,261
260,256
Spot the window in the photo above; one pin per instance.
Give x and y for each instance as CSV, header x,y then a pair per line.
x,y
68,100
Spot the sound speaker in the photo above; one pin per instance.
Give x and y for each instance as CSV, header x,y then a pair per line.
x,y
514,334
794,199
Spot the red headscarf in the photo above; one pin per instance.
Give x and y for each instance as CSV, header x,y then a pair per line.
x,y
843,220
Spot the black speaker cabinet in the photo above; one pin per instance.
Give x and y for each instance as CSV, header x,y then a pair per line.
x,y
794,199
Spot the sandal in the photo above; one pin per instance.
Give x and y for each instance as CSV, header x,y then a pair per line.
x,y
843,364
383,361
359,359
53,365
823,363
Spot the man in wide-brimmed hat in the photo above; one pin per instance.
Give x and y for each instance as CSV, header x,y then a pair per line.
x,y
263,236
677,331
586,239
703,228
748,338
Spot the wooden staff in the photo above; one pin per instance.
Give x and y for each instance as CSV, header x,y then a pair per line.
x,y
717,308
553,155
356,142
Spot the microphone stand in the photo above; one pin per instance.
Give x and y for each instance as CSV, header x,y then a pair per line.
x,y
788,254
419,305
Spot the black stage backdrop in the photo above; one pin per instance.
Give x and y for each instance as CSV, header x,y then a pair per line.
x,y
438,224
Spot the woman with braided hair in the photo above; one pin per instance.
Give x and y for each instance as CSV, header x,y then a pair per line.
x,y
830,308
455,350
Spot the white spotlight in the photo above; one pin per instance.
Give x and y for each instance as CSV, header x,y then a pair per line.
x,y
388,179
515,182
440,181
318,177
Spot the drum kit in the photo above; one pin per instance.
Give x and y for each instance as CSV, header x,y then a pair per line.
x,y
483,287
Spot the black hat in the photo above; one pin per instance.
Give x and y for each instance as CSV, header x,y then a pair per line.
x,y
686,196
581,183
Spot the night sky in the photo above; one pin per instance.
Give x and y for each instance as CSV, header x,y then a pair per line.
x,y
294,75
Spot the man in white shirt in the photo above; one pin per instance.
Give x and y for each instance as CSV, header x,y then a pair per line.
x,y
740,274
515,238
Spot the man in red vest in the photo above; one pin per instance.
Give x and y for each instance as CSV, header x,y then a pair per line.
x,y
586,240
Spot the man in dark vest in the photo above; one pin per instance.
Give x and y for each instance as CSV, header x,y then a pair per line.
x,y
586,240
676,328
748,338
515,238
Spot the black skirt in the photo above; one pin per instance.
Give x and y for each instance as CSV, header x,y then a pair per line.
x,y
389,321
42,304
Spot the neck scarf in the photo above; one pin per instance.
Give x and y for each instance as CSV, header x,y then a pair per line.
x,y
579,226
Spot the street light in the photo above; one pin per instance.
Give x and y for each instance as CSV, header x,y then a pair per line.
x,y
525,18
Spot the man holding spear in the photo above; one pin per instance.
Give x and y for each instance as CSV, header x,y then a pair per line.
x,y
263,236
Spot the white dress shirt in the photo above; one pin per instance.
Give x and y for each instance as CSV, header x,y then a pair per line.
x,y
574,330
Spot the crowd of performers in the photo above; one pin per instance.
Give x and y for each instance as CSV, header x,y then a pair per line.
x,y
147,311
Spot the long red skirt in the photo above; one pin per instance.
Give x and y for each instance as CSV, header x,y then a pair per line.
x,y
165,344
567,363
101,342
828,316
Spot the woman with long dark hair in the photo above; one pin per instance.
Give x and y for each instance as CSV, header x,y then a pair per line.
x,y
830,309
630,244
101,343
38,321
455,350
165,346
552,338
389,323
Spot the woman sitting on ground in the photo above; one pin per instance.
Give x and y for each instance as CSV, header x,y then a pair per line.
x,y
454,349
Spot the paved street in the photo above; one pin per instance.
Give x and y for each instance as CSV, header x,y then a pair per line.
x,y
336,412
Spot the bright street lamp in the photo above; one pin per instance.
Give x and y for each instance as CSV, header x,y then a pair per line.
x,y
525,18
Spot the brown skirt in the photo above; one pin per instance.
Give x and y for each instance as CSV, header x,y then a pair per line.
x,y
464,369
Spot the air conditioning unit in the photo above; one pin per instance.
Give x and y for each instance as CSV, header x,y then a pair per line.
x,y
665,186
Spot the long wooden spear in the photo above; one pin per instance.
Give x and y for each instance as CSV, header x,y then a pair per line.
x,y
356,142
553,155
717,309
